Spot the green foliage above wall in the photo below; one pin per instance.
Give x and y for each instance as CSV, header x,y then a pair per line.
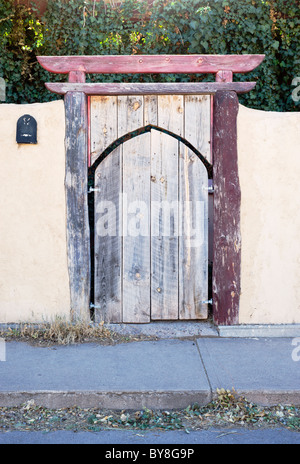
x,y
78,27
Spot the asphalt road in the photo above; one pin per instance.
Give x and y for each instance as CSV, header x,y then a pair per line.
x,y
120,437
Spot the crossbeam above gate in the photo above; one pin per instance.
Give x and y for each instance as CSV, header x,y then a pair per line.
x,y
136,88
223,66
153,64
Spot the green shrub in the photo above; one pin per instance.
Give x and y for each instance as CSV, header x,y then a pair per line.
x,y
86,27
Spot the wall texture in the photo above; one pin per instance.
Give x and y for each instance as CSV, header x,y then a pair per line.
x,y
34,282
33,272
269,169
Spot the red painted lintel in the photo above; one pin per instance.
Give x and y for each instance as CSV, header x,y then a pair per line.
x,y
154,64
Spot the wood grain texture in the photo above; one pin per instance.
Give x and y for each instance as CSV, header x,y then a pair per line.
x,y
78,239
150,110
108,239
227,198
150,63
130,114
136,229
197,123
193,240
164,223
165,209
136,190
136,88
170,113
77,76
224,76
104,124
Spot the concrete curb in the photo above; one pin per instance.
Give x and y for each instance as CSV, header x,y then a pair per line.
x,y
269,397
259,330
108,400
157,329
139,400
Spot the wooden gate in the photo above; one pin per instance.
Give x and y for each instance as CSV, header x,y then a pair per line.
x,y
138,114
151,207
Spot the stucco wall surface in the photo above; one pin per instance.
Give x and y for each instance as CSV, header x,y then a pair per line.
x,y
34,283
269,170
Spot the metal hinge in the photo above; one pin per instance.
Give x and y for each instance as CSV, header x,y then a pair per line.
x,y
93,190
210,187
92,306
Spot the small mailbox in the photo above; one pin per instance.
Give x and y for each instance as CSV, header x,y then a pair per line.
x,y
26,129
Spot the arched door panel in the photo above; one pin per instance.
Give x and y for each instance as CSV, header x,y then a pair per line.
x,y
151,232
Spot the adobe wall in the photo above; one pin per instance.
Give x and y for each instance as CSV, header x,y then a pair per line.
x,y
34,283
269,170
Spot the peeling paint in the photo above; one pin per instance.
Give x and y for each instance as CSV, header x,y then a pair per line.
x,y
227,247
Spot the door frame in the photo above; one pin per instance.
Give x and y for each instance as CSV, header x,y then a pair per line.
x,y
226,285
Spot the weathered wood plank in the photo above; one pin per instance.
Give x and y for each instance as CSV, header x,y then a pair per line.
x,y
78,239
108,239
136,188
77,76
136,229
130,114
197,123
227,198
193,240
104,128
150,110
165,209
150,63
170,113
164,226
136,88
224,76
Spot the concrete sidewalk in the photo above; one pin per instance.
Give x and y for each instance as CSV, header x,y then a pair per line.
x,y
168,373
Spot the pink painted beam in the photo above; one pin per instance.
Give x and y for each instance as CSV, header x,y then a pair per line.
x,y
150,63
136,88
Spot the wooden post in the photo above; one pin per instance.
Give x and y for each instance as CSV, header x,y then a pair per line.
x,y
78,235
227,198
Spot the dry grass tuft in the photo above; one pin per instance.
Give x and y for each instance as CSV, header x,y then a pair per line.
x,y
60,332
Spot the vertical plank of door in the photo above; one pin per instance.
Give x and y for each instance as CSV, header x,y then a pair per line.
x,y
108,239
130,114
193,242
136,229
164,209
136,188
103,124
170,109
150,110
197,123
